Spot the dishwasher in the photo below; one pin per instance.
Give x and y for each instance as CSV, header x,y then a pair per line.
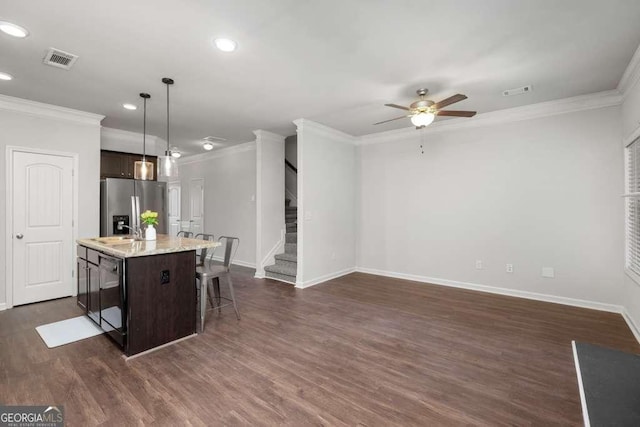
x,y
113,298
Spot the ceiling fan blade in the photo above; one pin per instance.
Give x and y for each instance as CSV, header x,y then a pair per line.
x,y
398,106
450,100
456,113
385,121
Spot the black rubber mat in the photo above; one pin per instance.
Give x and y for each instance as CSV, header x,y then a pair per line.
x,y
611,383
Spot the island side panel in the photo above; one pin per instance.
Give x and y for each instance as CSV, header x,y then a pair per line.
x,y
160,313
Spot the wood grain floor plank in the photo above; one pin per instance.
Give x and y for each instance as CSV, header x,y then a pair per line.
x,y
358,350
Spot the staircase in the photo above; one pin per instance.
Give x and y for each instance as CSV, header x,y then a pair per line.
x,y
286,265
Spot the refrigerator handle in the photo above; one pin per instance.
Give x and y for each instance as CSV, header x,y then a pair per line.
x,y
135,212
138,212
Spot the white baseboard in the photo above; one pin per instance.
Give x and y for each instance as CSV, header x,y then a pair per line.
x,y
280,280
326,277
3,306
495,290
635,330
259,275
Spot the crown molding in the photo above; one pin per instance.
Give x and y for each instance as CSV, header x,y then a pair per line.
x,y
125,135
306,124
528,112
265,135
631,74
49,111
214,154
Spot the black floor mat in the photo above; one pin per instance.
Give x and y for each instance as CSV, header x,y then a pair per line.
x,y
611,384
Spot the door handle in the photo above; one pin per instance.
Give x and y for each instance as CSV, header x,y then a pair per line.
x,y
19,236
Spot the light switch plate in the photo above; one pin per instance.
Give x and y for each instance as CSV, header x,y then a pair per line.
x,y
548,272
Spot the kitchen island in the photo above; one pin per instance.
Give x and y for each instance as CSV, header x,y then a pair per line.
x,y
141,293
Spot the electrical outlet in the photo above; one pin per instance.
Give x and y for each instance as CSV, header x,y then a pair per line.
x,y
165,277
478,265
509,268
548,272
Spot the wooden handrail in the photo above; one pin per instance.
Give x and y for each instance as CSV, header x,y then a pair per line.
x,y
288,163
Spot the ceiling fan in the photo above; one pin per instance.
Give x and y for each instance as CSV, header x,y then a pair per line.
x,y
424,111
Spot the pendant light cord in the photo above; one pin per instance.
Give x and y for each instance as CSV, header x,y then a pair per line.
x,y
144,132
167,153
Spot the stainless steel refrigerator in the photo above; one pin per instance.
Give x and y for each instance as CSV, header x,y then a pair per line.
x,y
122,201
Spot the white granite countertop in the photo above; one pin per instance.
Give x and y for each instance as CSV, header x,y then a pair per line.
x,y
127,247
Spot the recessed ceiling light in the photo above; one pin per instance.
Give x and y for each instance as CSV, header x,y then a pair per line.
x,y
175,153
5,76
129,106
225,45
207,146
13,29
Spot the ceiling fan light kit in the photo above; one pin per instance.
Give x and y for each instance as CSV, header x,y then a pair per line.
x,y
422,119
424,111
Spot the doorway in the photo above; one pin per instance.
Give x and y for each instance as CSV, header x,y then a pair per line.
x,y
196,205
174,208
41,207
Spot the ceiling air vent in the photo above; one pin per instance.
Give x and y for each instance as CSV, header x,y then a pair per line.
x,y
213,138
61,59
517,91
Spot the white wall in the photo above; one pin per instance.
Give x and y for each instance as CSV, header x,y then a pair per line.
x,y
269,198
326,203
229,186
536,193
34,125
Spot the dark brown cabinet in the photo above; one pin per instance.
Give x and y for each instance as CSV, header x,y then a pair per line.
x,y
88,282
114,164
83,284
140,302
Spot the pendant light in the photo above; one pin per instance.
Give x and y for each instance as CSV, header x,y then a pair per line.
x,y
167,164
143,169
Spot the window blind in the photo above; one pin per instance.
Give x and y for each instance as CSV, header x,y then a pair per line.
x,y
633,207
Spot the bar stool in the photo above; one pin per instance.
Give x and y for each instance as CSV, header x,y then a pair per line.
x,y
200,257
210,271
185,234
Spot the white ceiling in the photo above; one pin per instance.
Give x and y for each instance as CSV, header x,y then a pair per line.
x,y
335,62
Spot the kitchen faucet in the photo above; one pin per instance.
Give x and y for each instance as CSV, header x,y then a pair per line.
x,y
136,233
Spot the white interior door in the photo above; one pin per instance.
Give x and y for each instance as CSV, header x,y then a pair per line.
x,y
196,205
174,208
42,229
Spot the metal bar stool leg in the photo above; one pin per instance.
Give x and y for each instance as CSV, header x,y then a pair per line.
x,y
212,293
233,295
216,290
203,302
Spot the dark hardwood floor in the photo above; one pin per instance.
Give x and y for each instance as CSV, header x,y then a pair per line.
x,y
359,350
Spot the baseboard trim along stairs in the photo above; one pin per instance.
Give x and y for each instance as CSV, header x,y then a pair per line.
x,y
286,267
